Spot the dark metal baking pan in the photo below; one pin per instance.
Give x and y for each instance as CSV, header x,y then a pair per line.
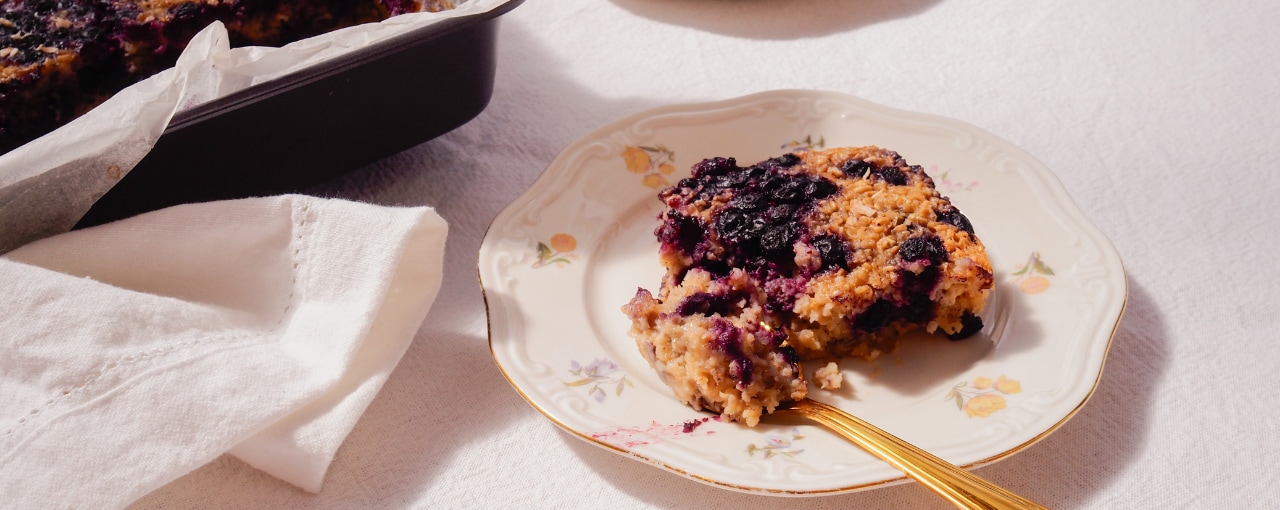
x,y
304,128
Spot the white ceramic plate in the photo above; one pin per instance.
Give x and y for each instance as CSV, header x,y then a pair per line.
x,y
559,262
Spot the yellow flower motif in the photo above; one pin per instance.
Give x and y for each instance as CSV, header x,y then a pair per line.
x,y
666,168
637,159
982,383
1034,284
654,181
1008,386
984,405
563,243
1032,275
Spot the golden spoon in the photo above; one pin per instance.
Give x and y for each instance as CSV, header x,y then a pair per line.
x,y
960,487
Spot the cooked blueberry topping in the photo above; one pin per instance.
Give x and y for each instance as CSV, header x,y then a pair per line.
x,y
748,202
786,160
681,232
708,304
715,267
780,294
970,325
955,218
925,247
714,166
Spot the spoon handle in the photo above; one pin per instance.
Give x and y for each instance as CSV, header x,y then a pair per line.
x,y
963,489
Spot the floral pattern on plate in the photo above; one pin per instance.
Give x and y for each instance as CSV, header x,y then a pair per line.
x,y
945,184
557,251
982,397
655,162
596,376
775,445
806,144
1032,275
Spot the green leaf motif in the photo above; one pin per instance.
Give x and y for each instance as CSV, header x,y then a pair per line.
x,y
1043,268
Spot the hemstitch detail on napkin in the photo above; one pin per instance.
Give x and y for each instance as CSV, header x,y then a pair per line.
x,y
300,224
111,366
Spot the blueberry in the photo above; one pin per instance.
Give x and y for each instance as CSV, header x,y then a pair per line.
x,y
921,283
773,183
777,238
833,250
955,218
855,167
781,213
918,310
970,325
893,176
737,226
789,192
730,222
875,316
820,188
926,247
727,181
753,172
748,201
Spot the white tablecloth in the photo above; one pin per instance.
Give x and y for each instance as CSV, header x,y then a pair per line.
x,y
1161,119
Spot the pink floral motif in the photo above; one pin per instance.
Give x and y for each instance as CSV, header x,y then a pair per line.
x,y
598,373
944,183
631,437
778,445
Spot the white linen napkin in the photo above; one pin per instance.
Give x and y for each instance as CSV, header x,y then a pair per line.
x,y
137,351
